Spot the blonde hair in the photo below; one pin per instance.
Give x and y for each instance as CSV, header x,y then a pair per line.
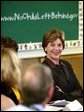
x,y
10,67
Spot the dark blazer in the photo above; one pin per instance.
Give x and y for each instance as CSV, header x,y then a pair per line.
x,y
65,78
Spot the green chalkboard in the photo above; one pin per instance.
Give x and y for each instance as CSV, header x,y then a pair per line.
x,y
27,21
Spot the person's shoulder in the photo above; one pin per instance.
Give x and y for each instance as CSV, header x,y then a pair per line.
x,y
6,102
46,64
65,62
19,107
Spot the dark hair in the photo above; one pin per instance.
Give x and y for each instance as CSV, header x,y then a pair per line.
x,y
51,36
7,42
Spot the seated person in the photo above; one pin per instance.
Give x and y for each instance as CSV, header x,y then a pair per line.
x,y
65,82
37,88
11,71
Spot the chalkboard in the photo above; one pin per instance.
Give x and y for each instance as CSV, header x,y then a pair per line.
x,y
27,21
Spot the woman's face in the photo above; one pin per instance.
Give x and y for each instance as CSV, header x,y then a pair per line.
x,y
54,49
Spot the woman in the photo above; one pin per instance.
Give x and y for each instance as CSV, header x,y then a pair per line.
x,y
10,75
65,81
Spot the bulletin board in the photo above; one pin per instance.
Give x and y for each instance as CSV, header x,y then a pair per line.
x,y
27,21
